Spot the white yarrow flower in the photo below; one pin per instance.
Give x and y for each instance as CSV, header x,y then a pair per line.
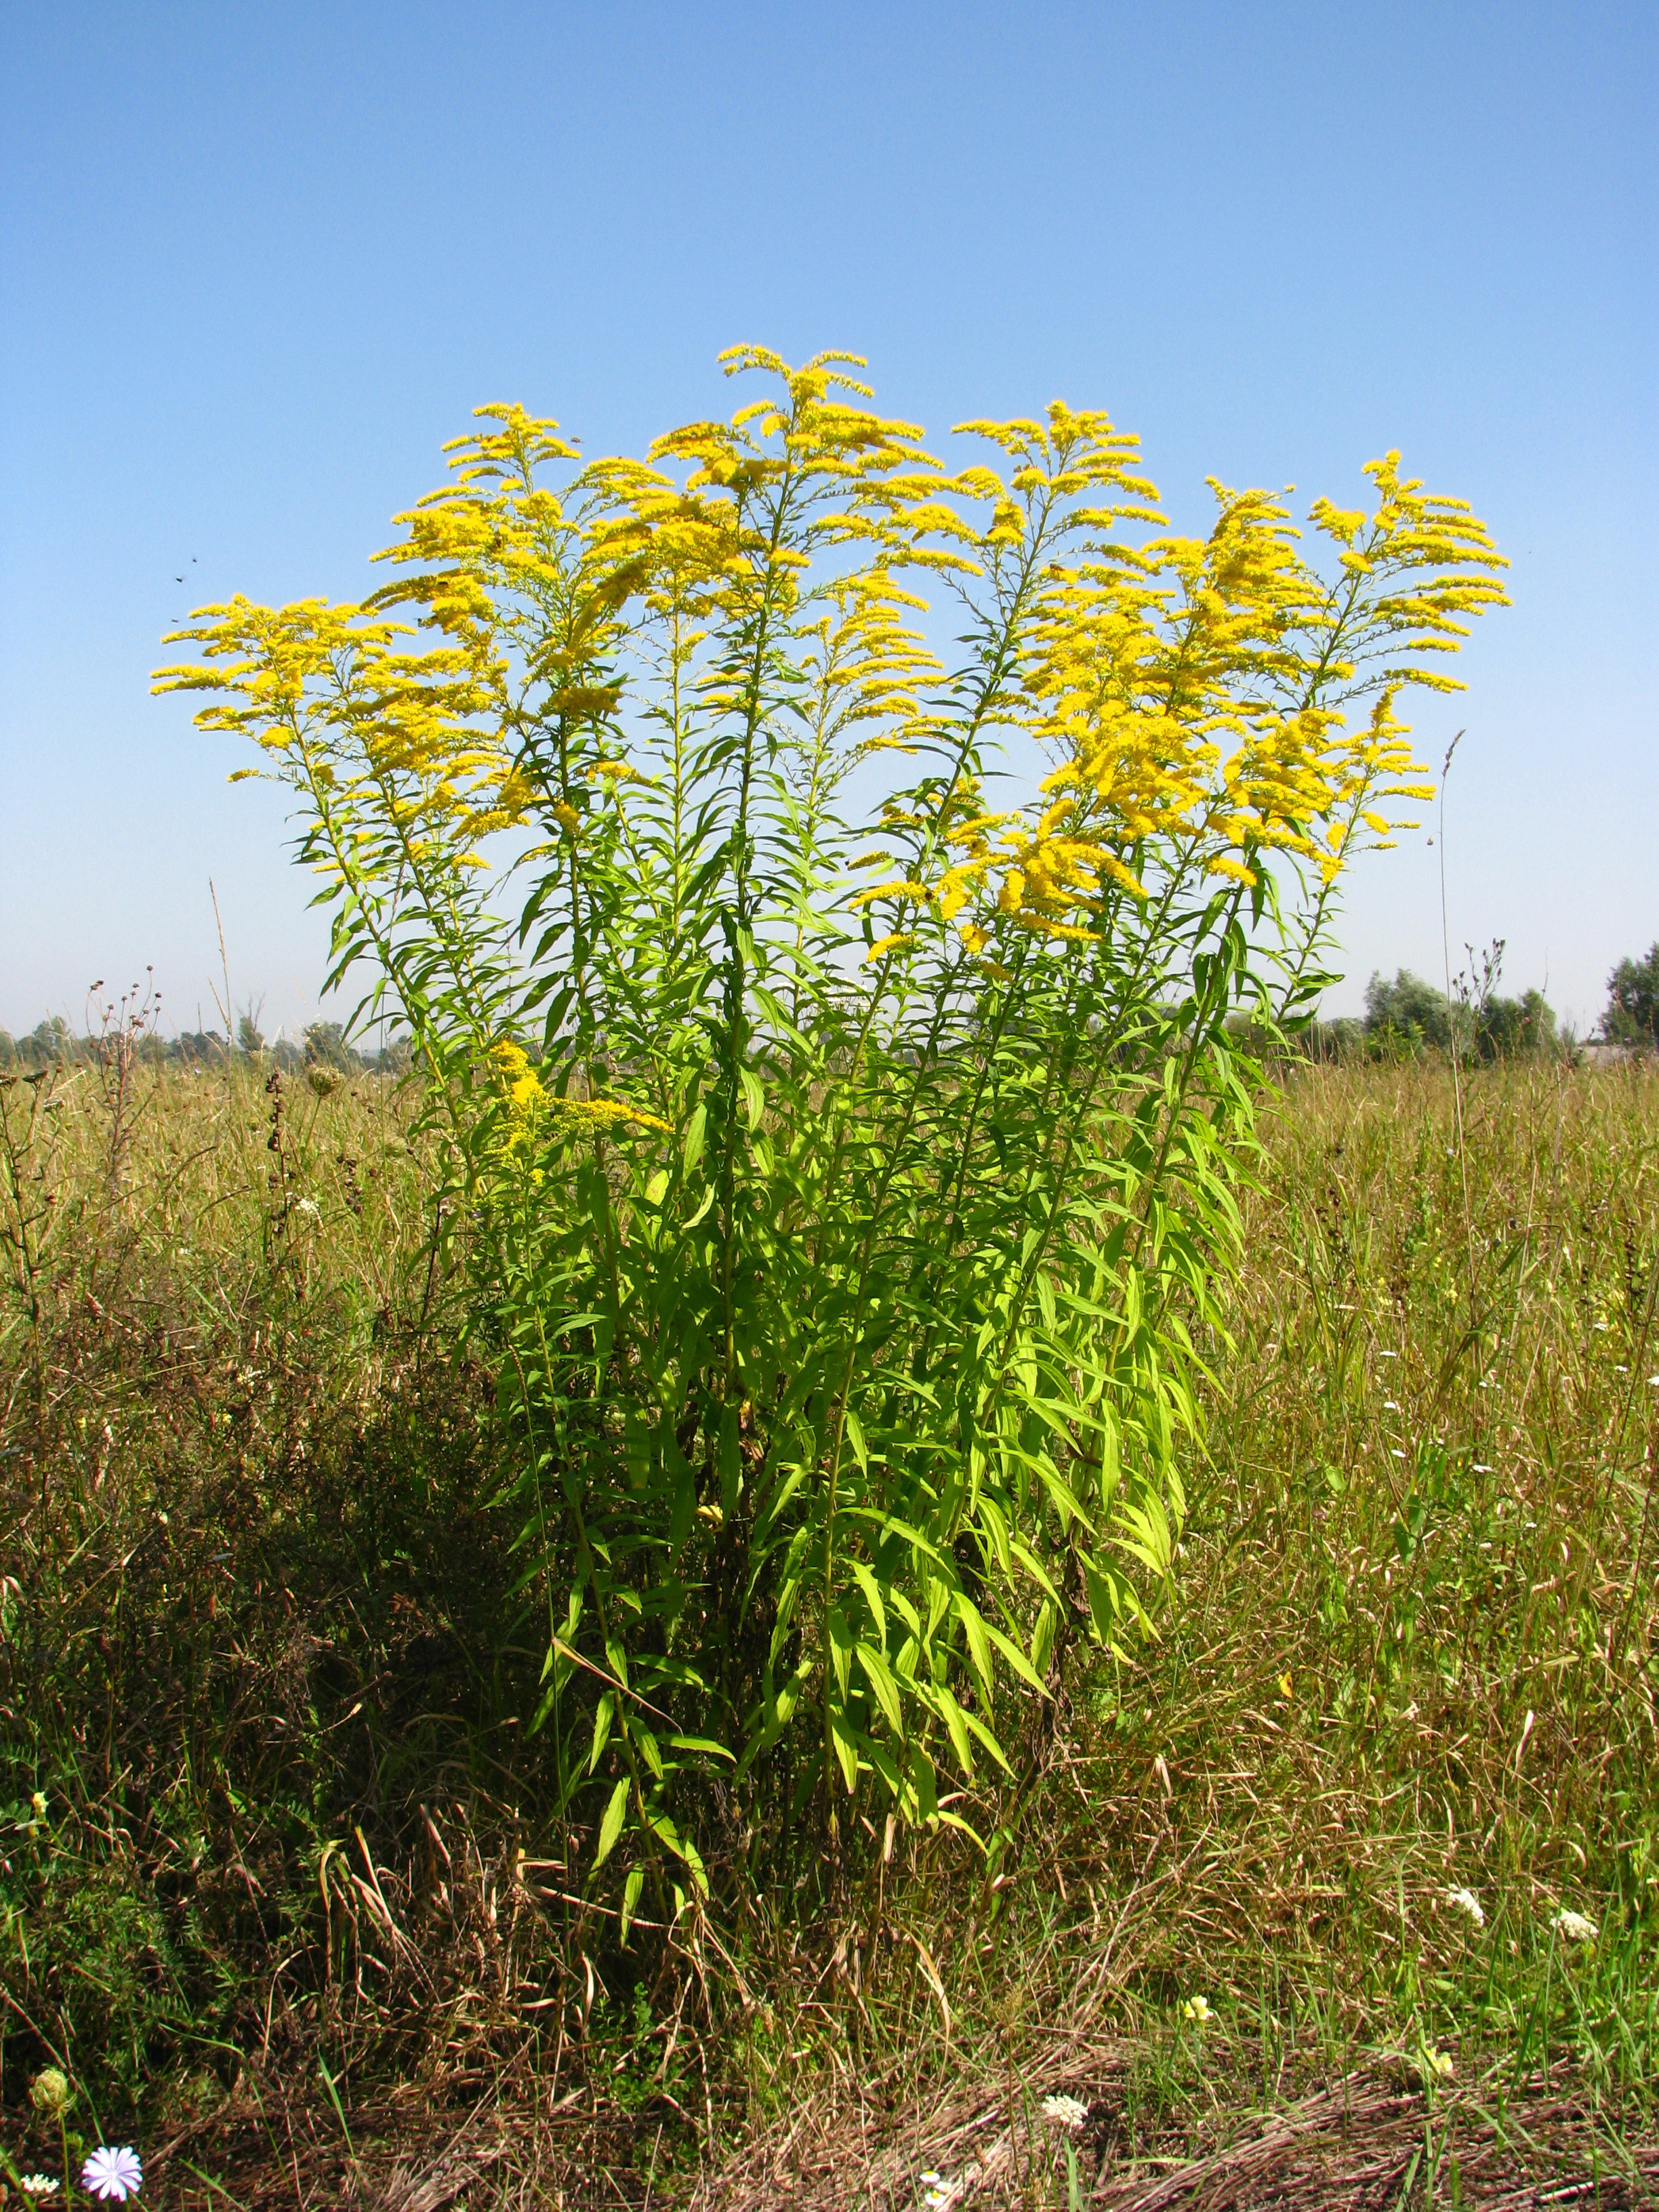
x,y
39,2187
1575,1926
1065,2111
1466,1901
115,2175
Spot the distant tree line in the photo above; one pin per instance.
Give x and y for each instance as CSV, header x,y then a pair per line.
x,y
1406,1018
322,1049
1632,1015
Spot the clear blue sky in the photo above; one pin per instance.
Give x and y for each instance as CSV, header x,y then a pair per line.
x,y
256,262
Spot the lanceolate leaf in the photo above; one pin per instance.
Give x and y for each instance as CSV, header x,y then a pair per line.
x,y
611,1826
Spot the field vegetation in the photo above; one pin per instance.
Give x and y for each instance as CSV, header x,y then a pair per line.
x,y
289,1892
853,1533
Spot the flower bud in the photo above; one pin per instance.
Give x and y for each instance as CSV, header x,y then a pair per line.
x,y
49,2091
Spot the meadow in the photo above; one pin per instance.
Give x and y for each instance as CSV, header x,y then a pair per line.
x,y
288,1894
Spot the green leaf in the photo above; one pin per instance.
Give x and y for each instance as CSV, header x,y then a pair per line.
x,y
611,1827
978,1644
683,1848
604,1715
867,1582
841,1646
691,1149
631,1889
956,1723
846,1743
702,1743
1015,1658
646,1744
1148,1538
879,1677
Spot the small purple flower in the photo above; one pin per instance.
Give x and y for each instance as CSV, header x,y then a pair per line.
x,y
113,2174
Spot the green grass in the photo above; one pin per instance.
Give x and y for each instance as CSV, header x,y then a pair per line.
x,y
297,1895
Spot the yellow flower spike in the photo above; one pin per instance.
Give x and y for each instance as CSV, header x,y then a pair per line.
x,y
608,1113
905,888
956,886
1062,931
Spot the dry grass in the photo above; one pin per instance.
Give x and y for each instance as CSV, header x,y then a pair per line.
x,y
1413,1650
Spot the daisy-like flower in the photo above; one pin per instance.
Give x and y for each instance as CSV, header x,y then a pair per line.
x,y
114,2173
937,2194
1465,1900
37,2187
1196,2008
1065,2111
1575,1926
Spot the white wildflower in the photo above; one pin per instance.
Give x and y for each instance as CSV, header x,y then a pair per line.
x,y
309,1207
1575,1926
1065,2111
1467,1901
39,2186
1196,2008
937,2194
113,2174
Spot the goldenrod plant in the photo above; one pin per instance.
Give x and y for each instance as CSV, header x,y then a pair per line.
x,y
817,881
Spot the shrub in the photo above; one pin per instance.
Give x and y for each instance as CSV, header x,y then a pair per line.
x,y
1407,1014
1632,1015
844,1132
1515,1029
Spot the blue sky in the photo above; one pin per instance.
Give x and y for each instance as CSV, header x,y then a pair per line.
x,y
257,263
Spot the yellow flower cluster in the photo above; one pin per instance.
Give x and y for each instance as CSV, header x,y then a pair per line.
x,y
1185,696
530,1102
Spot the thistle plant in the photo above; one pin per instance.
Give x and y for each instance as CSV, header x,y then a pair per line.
x,y
822,885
